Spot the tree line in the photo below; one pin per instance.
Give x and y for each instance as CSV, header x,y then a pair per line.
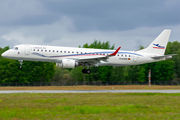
x,y
32,71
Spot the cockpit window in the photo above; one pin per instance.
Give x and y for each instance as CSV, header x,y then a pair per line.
x,y
16,48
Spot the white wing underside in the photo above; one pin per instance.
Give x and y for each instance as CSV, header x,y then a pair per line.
x,y
94,59
97,58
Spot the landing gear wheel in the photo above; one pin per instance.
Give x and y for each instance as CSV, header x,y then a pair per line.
x,y
88,71
21,62
84,71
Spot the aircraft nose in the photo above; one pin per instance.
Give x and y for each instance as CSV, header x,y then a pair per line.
x,y
4,54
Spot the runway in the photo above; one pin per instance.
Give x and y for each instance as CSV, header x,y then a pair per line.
x,y
88,91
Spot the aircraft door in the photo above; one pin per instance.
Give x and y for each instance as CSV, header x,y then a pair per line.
x,y
135,58
27,50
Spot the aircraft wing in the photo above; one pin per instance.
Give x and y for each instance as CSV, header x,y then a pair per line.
x,y
97,58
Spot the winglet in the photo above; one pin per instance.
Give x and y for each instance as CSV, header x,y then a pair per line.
x,y
113,54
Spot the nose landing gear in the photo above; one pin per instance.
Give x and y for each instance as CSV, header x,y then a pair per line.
x,y
21,62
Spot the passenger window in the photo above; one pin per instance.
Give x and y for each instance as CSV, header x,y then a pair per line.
x,y
34,50
53,50
121,55
57,51
45,50
61,51
64,51
49,50
42,50
125,55
37,49
72,51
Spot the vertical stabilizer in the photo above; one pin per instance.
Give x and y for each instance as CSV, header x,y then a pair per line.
x,y
158,46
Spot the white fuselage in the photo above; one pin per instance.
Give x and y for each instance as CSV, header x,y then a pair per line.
x,y
56,54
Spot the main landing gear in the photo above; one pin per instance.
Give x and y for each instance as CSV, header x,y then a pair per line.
x,y
84,71
21,62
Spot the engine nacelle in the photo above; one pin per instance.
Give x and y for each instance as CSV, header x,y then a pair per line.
x,y
67,63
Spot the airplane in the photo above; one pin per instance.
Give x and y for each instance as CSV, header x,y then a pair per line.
x,y
71,57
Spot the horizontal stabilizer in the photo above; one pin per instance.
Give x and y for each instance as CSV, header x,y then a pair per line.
x,y
163,56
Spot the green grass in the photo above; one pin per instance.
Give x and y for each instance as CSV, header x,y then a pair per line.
x,y
90,106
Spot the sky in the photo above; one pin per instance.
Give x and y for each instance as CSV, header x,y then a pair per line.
x,y
124,23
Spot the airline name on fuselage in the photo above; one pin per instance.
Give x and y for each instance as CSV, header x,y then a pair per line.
x,y
35,47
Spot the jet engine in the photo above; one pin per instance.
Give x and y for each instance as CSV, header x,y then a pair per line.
x,y
67,63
